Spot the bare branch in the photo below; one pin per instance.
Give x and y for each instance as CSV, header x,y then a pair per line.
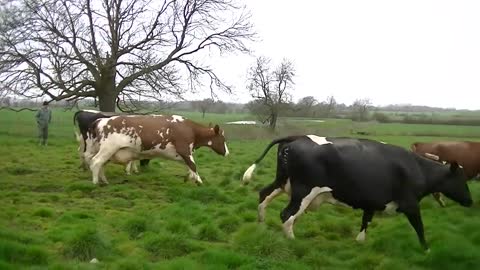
x,y
270,88
71,49
18,110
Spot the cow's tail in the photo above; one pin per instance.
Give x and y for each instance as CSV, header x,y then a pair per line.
x,y
74,124
78,136
247,176
75,117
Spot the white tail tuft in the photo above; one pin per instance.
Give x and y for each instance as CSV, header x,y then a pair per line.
x,y
247,176
77,136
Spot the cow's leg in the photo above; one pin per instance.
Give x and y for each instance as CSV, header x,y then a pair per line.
x,y
134,167
81,151
82,158
192,168
95,173
366,218
128,168
438,198
266,196
411,209
88,159
300,200
83,164
103,178
131,166
416,221
99,160
193,174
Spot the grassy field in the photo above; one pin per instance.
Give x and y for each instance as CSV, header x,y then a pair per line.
x,y
52,217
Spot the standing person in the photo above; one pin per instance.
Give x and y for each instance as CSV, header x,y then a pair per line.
x,y
43,116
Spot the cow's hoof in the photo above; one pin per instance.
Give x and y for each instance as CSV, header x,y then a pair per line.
x,y
427,251
360,237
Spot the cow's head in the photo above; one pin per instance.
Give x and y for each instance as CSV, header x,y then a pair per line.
x,y
217,141
453,184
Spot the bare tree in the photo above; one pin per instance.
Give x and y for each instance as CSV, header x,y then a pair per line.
x,y
361,108
271,87
116,50
331,104
306,104
203,105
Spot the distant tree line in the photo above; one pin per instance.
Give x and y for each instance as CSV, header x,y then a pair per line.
x,y
424,118
307,107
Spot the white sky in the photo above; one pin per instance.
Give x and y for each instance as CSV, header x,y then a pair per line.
x,y
417,52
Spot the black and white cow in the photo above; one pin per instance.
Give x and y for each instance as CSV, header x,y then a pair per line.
x,y
84,119
359,173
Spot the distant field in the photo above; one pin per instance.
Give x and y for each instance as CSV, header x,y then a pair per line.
x,y
439,114
52,217
23,124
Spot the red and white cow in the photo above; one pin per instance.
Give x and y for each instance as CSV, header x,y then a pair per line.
x,y
85,118
465,153
121,139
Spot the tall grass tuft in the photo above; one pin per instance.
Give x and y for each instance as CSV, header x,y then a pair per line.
x,y
135,226
229,224
258,241
209,232
43,212
179,226
168,246
85,244
17,253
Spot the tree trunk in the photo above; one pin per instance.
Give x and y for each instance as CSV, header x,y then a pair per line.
x,y
107,101
107,93
203,114
273,120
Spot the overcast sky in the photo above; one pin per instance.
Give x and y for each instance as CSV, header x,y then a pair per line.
x,y
417,52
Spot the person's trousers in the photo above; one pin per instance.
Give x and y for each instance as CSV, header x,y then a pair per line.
x,y
43,134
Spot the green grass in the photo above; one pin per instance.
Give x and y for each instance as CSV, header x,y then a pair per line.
x,y
85,244
52,217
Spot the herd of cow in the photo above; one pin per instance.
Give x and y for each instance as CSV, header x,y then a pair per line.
x,y
358,173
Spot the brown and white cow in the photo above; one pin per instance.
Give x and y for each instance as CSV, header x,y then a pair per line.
x,y
465,153
121,139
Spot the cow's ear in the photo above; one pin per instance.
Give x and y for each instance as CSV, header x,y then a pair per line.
x,y
454,166
216,129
